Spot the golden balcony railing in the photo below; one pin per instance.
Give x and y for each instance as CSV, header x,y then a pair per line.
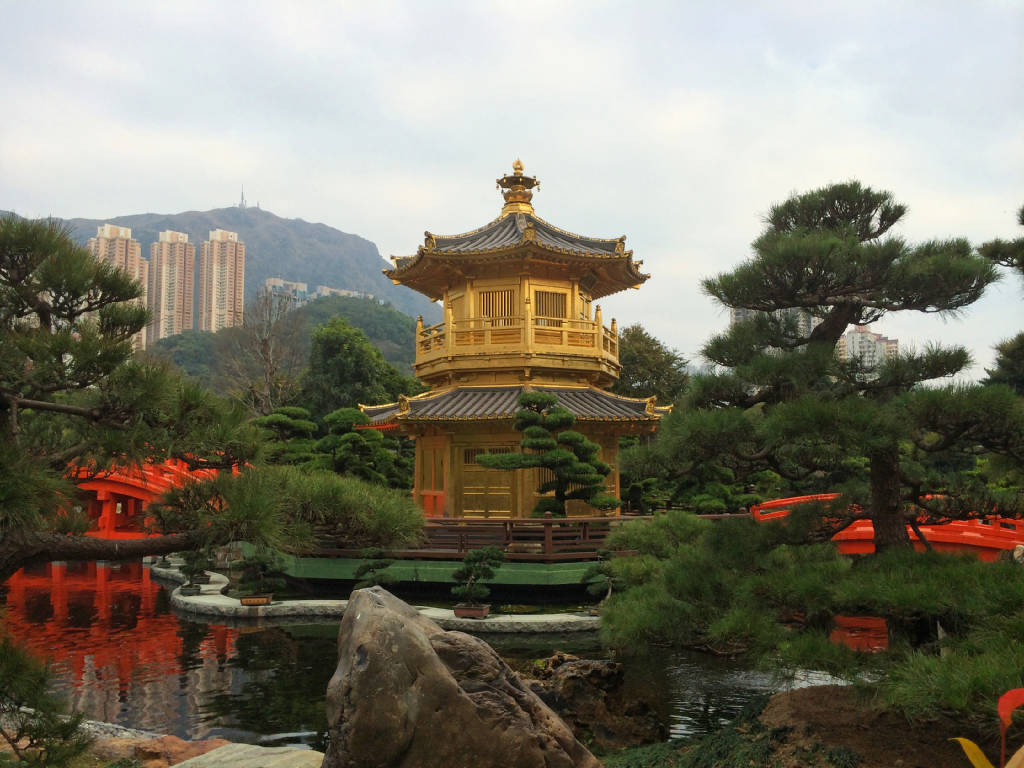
x,y
537,335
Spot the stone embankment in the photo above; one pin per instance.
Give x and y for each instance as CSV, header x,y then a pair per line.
x,y
211,602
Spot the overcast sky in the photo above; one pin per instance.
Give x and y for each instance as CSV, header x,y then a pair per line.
x,y
676,123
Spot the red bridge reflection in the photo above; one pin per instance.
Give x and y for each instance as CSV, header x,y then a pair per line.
x,y
110,637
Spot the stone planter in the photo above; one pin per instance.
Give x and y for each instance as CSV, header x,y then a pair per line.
x,y
189,590
201,578
470,611
256,599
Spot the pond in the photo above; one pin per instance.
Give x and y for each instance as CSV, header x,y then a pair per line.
x,y
122,656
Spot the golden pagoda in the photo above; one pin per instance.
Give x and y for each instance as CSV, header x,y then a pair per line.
x,y
519,314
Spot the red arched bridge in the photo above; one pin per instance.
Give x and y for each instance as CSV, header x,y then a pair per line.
x,y
116,499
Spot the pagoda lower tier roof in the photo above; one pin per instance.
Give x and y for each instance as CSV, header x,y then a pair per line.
x,y
497,403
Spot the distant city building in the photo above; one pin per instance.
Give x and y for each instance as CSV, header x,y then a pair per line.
x,y
870,348
221,281
805,321
172,269
300,293
323,290
115,245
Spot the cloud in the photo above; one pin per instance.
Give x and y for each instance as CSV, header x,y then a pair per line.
x,y
675,124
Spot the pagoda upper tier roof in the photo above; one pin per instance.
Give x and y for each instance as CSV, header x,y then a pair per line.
x,y
497,403
507,231
609,264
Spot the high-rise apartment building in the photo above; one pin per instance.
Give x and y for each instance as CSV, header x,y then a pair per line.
x,y
221,281
172,269
870,348
116,245
805,321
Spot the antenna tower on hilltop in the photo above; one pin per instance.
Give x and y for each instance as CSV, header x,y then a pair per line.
x,y
241,203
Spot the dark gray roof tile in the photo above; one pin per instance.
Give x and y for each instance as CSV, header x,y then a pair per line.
x,y
508,231
500,403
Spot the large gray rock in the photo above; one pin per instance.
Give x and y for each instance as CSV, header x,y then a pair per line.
x,y
407,694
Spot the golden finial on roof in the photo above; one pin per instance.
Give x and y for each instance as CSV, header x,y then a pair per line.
x,y
517,188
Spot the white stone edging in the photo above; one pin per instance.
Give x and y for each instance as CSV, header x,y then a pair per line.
x,y
211,602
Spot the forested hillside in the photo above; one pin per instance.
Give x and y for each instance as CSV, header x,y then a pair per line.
x,y
200,354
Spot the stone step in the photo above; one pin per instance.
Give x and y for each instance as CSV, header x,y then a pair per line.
x,y
251,756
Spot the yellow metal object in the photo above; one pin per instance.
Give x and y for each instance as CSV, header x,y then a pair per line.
x,y
517,188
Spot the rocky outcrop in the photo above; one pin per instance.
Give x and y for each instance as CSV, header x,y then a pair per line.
x,y
158,752
589,695
407,694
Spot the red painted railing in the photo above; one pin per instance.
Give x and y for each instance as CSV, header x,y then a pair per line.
x,y
985,537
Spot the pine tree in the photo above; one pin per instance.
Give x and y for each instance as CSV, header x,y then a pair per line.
x,y
549,442
1009,368
780,399
74,398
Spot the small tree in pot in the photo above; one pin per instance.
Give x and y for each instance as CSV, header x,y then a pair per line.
x,y
260,575
478,565
195,565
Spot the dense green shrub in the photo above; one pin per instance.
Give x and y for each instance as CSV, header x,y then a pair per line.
x,y
290,507
736,586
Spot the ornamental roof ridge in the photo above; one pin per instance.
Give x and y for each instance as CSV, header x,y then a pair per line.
x,y
609,393
558,229
466,234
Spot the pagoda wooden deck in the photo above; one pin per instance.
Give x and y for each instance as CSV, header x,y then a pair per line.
x,y
524,540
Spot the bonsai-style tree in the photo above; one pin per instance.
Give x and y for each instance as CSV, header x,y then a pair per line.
x,y
477,565
373,571
197,561
781,400
261,573
549,442
364,453
291,435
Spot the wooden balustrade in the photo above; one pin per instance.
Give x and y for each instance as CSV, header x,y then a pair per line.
x,y
548,540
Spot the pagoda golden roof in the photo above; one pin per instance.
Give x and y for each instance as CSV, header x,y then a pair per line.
x,y
604,265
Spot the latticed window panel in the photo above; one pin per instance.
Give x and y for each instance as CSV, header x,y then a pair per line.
x,y
550,308
499,306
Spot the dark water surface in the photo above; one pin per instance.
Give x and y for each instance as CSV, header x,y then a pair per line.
x,y
122,656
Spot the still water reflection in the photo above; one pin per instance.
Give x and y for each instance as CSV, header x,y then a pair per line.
x,y
122,656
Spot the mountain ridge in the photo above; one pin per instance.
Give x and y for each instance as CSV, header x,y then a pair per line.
x,y
292,249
